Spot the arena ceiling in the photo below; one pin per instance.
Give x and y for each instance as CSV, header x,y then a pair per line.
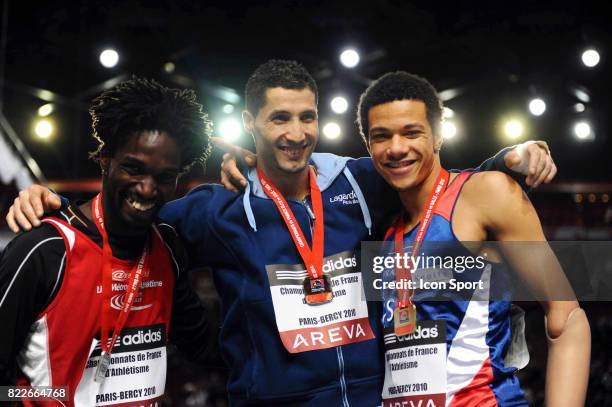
x,y
489,57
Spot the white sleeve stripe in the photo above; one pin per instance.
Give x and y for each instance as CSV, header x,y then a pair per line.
x,y
21,266
170,226
65,216
59,277
178,270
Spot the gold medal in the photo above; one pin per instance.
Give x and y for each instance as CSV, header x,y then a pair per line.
x,y
318,290
404,320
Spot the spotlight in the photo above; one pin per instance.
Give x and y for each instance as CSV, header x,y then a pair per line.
x,y
43,129
590,58
332,130
228,108
230,129
514,129
449,130
537,107
448,113
339,104
579,107
582,130
109,58
169,67
349,58
45,110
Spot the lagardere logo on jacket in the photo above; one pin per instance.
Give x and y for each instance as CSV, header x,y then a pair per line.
x,y
345,199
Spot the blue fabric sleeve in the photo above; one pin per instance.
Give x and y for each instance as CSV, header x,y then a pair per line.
x,y
189,217
496,163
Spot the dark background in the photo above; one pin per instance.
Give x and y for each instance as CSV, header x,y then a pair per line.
x,y
495,56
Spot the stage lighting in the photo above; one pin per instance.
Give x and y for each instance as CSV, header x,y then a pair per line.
x,y
332,130
590,58
230,129
109,58
582,130
43,129
579,107
169,67
339,104
537,107
45,110
448,113
228,108
514,129
449,130
349,58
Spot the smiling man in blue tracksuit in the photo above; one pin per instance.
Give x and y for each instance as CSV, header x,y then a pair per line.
x,y
280,348
284,341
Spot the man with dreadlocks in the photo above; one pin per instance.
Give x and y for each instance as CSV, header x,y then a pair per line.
x,y
87,299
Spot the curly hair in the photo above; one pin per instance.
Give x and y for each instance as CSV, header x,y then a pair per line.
x,y
399,85
142,104
273,74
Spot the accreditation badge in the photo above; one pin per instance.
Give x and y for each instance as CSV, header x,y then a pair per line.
x,y
415,366
134,373
303,327
318,290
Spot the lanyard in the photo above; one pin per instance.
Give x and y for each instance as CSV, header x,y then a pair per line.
x,y
405,296
133,284
313,259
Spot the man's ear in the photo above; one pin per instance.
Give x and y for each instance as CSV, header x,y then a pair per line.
x,y
438,140
367,144
104,164
248,121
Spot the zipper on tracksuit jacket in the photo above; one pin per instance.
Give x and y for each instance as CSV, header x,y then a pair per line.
x,y
339,355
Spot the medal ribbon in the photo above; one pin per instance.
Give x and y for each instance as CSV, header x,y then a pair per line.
x,y
133,282
313,259
405,296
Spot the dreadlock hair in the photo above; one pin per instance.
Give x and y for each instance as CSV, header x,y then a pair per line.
x,y
276,73
399,85
142,104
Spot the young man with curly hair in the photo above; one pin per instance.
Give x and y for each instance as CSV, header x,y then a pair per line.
x,y
87,299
